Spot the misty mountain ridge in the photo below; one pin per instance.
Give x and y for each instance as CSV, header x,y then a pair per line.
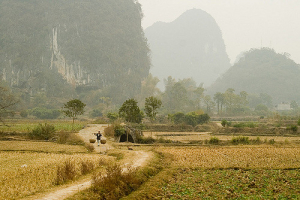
x,y
189,47
262,71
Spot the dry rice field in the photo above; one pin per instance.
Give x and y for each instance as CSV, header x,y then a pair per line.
x,y
263,157
40,147
187,137
26,172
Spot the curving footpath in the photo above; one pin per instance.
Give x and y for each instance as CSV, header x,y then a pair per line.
x,y
87,133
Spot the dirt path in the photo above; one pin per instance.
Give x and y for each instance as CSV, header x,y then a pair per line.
x,y
88,133
140,159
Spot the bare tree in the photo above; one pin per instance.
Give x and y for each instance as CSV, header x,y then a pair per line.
x,y
7,101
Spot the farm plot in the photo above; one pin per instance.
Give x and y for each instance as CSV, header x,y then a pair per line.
x,y
235,157
259,172
188,137
40,147
23,173
26,126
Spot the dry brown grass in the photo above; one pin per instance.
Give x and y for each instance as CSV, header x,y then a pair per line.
x,y
187,137
40,147
235,157
25,172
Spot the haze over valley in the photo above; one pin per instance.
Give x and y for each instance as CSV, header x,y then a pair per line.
x,y
51,52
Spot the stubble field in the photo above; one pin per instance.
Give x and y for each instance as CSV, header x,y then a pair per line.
x,y
27,168
231,172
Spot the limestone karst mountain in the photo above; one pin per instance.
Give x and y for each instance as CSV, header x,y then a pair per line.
x,y
262,71
54,47
190,46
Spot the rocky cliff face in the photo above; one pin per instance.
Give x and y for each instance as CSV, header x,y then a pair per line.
x,y
190,46
55,46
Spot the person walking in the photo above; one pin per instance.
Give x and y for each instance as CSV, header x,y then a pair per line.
x,y
98,135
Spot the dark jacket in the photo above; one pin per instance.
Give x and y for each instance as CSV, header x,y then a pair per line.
x,y
98,136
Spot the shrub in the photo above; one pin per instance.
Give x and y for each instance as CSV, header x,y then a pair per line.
x,y
243,125
224,122
190,118
214,140
256,141
293,128
119,130
145,140
240,140
178,118
42,132
272,141
204,118
116,183
24,113
298,122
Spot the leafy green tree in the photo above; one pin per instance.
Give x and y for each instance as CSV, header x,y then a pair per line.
x,y
112,116
151,106
73,108
42,132
130,111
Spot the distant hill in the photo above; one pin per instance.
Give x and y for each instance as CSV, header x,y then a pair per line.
x,y
54,47
263,71
190,46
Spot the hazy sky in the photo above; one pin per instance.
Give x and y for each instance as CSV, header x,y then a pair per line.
x,y
245,24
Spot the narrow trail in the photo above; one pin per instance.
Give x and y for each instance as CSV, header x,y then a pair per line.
x,y
140,159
